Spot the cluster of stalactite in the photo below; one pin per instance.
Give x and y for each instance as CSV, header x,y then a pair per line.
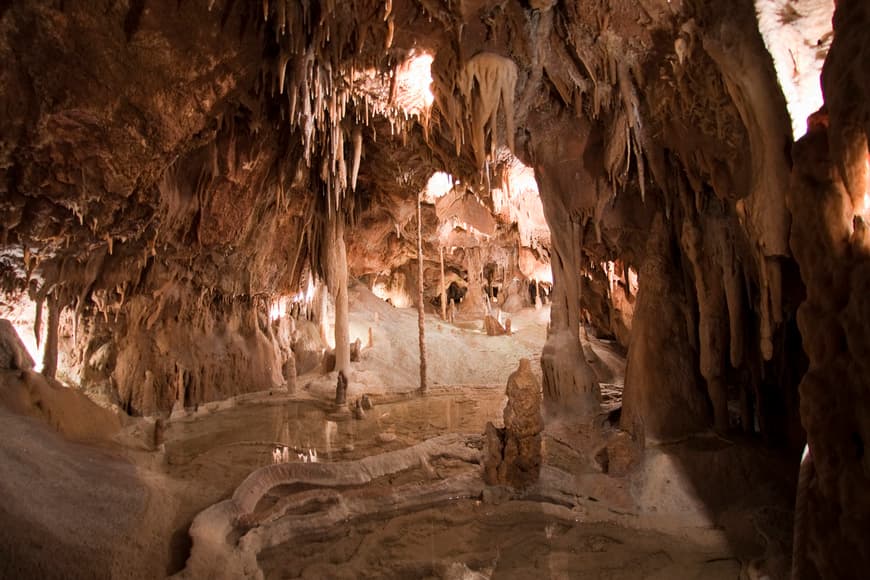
x,y
230,148
188,229
617,127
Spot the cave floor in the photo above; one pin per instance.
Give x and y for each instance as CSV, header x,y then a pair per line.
x,y
472,539
125,510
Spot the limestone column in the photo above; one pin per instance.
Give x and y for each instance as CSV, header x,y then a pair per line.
x,y
570,384
473,306
49,357
663,398
319,310
339,294
443,287
421,315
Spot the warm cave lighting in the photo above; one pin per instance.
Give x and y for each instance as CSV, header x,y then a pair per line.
x,y
543,273
414,83
391,295
278,309
21,312
632,280
438,186
866,199
519,197
798,47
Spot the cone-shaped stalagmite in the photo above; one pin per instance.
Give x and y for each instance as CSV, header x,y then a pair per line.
x,y
513,454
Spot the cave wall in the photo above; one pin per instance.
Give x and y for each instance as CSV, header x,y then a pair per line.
x,y
167,169
142,194
829,238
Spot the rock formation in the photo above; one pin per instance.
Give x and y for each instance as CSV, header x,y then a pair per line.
x,y
341,390
178,179
829,238
493,327
513,454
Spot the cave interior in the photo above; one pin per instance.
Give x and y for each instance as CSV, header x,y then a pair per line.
x,y
435,289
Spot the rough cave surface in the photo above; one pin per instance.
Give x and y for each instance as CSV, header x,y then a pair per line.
x,y
204,204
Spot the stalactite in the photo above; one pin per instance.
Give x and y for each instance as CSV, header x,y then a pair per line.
x,y
662,398
733,281
495,79
319,309
282,71
711,305
766,325
357,155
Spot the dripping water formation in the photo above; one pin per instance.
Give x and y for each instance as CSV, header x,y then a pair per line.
x,y
434,289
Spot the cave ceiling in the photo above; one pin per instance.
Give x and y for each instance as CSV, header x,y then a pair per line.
x,y
202,143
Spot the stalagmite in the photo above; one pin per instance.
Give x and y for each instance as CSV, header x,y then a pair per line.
x,y
513,455
341,389
421,315
49,358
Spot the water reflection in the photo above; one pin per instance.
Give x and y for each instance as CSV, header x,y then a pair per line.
x,y
244,436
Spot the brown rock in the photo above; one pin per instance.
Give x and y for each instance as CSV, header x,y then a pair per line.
x,y
512,455
618,456
341,389
493,327
492,453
